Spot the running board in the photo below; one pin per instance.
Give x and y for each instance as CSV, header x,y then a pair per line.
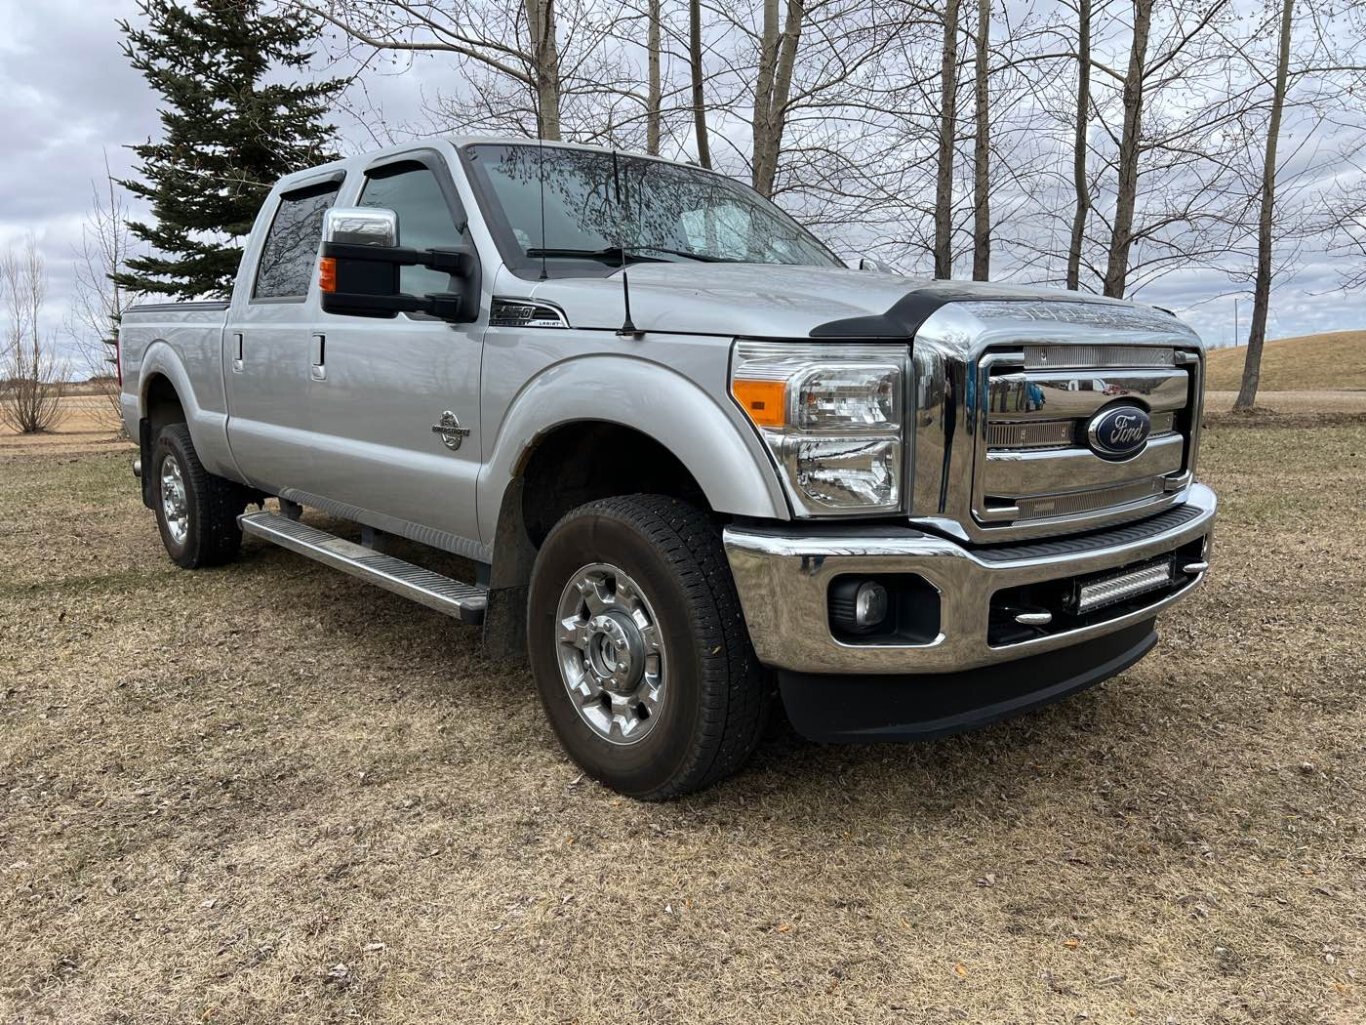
x,y
466,602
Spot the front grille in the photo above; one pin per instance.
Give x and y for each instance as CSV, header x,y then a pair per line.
x,y
1037,464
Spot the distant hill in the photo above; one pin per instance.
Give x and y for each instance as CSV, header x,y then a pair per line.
x,y
1329,362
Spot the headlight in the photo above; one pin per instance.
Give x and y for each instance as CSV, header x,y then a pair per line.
x,y
831,416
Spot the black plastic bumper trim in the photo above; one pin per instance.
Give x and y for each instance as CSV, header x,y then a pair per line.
x,y
1106,538
869,709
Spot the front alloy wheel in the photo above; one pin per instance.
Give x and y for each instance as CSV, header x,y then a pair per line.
x,y
639,648
612,656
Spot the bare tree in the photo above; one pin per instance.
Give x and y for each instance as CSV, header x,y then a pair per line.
x,y
981,149
1080,186
654,97
948,124
773,88
1174,142
516,43
1126,190
98,300
30,380
699,103
1261,292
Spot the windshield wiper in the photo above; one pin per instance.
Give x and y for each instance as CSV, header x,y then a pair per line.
x,y
614,254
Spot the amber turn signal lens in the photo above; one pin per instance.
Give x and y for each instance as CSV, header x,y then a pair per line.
x,y
327,274
765,402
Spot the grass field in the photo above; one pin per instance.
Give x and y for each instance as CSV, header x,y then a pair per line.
x,y
1333,361
271,794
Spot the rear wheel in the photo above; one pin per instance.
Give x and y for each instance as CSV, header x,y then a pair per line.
x,y
196,511
639,648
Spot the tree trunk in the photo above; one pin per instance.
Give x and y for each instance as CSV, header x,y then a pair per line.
x,y
546,71
1261,294
981,153
1079,145
773,88
943,193
652,100
1126,195
699,107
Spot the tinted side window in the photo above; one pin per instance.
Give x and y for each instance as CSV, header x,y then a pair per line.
x,y
290,254
424,218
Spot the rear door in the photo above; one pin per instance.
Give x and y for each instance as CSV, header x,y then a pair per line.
x,y
269,344
389,381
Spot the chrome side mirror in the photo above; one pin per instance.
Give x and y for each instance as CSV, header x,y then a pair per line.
x,y
360,270
361,226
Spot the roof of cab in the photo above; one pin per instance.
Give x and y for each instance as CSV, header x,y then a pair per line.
x,y
345,164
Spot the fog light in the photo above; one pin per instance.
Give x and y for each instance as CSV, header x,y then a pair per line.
x,y
870,604
859,606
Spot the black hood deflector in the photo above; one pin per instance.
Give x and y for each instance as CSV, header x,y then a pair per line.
x,y
908,313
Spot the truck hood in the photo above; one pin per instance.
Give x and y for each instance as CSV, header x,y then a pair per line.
x,y
767,300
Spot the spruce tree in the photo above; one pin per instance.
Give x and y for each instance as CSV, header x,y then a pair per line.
x,y
230,127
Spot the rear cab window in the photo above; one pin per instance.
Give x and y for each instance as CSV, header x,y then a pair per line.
x,y
289,256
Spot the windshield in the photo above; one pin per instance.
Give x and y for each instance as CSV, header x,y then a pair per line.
x,y
599,207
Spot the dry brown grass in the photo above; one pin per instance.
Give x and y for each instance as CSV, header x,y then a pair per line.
x,y
271,794
1310,403
87,423
1326,362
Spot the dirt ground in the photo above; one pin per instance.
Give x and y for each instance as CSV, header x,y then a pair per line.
x,y
272,794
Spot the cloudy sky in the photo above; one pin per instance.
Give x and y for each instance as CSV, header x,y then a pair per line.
x,y
68,99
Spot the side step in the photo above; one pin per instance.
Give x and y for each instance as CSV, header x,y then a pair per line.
x,y
466,602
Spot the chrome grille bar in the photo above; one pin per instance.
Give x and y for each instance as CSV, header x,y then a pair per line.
x,y
1088,501
1009,436
1039,434
1067,357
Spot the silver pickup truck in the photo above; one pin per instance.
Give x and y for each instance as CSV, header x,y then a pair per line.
x,y
689,460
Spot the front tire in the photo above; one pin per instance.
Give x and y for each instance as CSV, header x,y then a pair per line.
x,y
196,511
639,648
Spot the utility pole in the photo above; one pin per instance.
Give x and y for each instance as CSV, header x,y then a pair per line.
x,y
1235,322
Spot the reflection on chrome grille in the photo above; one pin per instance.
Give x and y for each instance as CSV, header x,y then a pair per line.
x,y
1039,434
1055,433
1038,357
1086,501
1162,423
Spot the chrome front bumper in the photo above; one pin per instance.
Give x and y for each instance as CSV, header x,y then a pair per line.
x,y
783,578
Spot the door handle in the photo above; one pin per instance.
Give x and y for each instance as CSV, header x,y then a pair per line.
x,y
317,369
237,353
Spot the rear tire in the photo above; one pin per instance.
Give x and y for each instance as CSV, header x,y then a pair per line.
x,y
639,647
196,511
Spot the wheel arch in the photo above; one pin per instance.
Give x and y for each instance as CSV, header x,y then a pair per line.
x,y
598,427
167,394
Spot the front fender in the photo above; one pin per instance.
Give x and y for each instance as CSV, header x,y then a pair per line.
x,y
712,440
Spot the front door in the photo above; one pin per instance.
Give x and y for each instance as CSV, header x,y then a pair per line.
x,y
387,382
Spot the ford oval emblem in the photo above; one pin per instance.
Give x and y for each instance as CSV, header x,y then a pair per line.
x,y
1119,432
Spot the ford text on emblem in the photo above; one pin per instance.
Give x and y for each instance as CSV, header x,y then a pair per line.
x,y
1119,432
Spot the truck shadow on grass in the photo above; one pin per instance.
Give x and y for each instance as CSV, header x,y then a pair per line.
x,y
443,665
